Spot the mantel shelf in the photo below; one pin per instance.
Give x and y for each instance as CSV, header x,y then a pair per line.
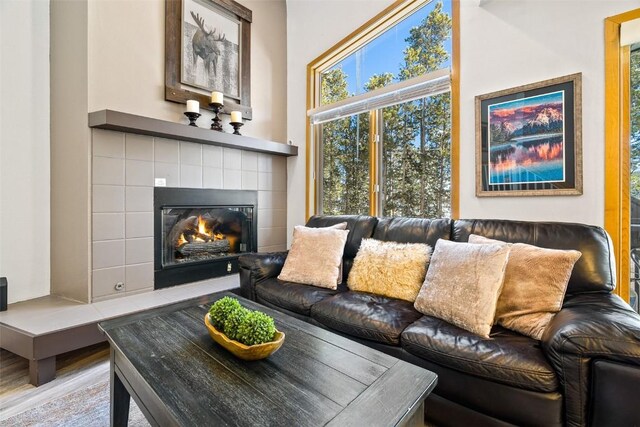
x,y
130,123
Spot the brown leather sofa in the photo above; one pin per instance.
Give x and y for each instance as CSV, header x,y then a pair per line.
x,y
585,370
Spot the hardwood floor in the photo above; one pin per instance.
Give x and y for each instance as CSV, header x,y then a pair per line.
x,y
76,369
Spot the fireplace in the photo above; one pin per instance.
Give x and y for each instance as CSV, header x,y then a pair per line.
x,y
199,233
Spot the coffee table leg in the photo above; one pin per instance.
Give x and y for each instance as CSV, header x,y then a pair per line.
x,y
120,399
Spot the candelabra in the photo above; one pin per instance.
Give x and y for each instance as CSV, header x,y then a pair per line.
x,y
236,127
216,122
192,117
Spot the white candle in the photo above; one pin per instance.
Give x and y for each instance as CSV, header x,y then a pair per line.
x,y
236,117
217,98
193,106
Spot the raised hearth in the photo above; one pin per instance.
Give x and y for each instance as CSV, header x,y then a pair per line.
x,y
199,233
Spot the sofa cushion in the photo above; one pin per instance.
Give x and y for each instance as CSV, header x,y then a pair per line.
x,y
291,296
463,284
534,286
315,257
506,357
593,272
392,269
367,316
413,230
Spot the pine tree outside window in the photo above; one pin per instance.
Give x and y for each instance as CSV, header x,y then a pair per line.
x,y
382,124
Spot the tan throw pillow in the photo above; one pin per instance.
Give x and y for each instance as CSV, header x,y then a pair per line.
x,y
390,269
463,284
315,256
535,282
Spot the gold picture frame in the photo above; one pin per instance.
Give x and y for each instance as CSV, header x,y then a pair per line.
x,y
529,139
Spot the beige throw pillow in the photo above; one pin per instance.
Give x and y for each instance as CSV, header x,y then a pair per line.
x,y
535,282
315,256
390,269
463,284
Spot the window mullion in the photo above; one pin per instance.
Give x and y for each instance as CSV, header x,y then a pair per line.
x,y
374,181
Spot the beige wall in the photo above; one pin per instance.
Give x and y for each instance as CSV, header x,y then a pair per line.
x,y
109,54
24,148
504,43
126,63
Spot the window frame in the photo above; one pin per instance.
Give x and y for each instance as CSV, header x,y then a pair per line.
x,y
354,41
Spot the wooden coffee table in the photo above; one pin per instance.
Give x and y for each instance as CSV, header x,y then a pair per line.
x,y
165,359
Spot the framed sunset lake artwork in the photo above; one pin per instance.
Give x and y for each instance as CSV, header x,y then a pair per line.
x,y
529,140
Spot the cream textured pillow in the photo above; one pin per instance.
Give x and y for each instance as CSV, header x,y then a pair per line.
x,y
391,269
535,282
463,284
315,256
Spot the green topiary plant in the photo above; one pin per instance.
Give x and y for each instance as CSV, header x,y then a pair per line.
x,y
233,321
221,309
256,328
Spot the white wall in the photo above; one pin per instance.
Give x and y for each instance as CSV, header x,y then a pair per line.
x,y
126,64
24,148
313,26
504,43
511,43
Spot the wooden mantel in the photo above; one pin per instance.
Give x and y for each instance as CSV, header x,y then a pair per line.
x,y
130,123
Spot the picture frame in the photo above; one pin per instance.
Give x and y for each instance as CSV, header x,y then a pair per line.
x,y
529,139
208,48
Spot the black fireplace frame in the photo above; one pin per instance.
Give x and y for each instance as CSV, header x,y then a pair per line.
x,y
174,197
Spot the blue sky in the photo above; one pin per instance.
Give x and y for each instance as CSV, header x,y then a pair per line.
x,y
385,53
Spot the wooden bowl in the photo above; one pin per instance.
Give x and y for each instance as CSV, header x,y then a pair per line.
x,y
245,352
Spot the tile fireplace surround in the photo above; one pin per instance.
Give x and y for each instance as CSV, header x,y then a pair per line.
x,y
125,167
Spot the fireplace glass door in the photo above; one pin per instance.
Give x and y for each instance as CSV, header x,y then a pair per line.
x,y
203,234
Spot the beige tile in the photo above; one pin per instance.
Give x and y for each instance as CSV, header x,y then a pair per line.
x,y
190,176
265,162
279,179
232,158
265,181
107,170
139,199
108,253
190,153
232,179
212,156
139,276
108,143
139,224
139,172
272,236
249,161
104,281
139,251
107,226
108,198
166,150
268,218
249,180
211,177
168,171
139,147
272,199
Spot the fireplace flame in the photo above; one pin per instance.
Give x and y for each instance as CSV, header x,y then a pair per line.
x,y
202,226
199,233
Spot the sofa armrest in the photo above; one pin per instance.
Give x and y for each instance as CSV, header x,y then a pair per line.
x,y
255,267
589,327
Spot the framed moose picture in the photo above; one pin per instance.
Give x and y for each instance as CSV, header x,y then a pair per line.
x,y
207,49
529,140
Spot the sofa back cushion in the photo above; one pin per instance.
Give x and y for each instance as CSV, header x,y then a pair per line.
x,y
594,271
413,230
359,226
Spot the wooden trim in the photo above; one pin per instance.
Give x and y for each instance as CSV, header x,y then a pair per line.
x,y
455,110
366,32
373,163
617,209
130,123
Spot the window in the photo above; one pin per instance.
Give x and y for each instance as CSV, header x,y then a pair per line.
x,y
380,127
